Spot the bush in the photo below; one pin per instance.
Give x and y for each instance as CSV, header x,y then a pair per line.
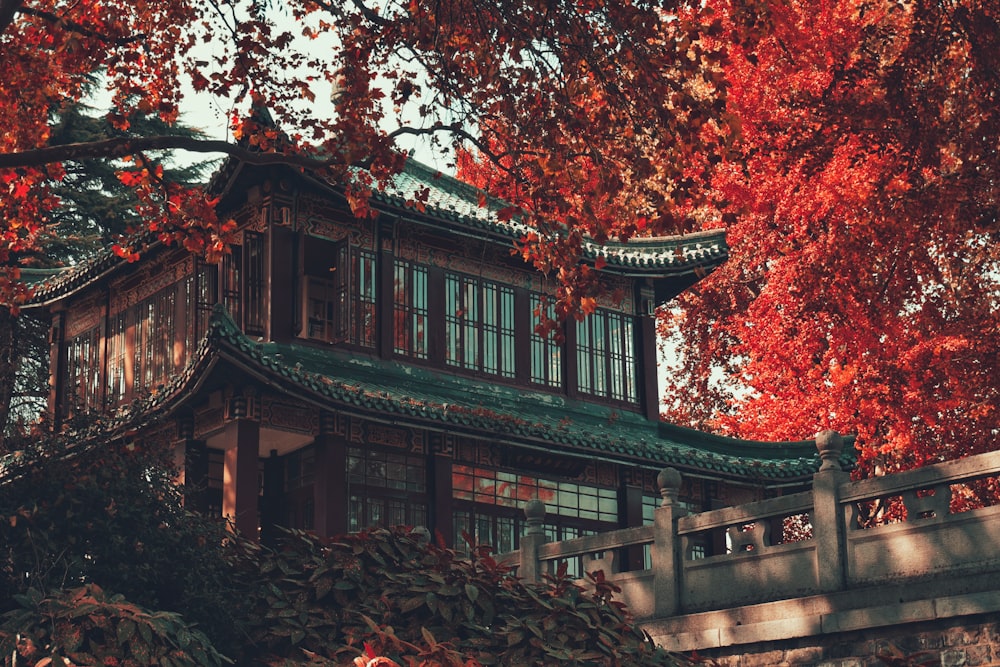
x,y
75,523
111,515
419,604
83,626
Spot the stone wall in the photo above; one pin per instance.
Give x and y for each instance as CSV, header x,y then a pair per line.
x,y
966,642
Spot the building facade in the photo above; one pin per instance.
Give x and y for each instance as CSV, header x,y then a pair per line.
x,y
332,373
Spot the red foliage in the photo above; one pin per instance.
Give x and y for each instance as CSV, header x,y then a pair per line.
x,y
861,293
603,110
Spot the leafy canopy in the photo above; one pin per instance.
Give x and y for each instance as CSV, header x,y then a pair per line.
x,y
626,96
860,199
863,286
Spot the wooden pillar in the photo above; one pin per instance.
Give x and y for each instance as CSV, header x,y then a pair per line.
x,y
271,500
192,465
196,475
330,481
57,362
385,290
630,514
436,304
645,364
240,486
442,508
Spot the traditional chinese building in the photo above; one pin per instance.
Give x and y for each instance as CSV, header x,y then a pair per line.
x,y
332,373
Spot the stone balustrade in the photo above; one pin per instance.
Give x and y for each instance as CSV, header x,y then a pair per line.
x,y
835,544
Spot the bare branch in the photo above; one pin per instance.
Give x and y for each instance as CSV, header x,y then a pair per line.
x,y
78,28
123,146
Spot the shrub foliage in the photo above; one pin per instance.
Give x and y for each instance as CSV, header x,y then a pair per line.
x,y
102,565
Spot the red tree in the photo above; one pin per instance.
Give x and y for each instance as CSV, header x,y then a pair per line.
x,y
862,290
574,92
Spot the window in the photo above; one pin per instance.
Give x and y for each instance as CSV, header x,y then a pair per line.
x,y
82,376
385,489
232,264
363,299
200,294
489,507
254,283
154,339
118,327
152,323
546,353
339,293
479,325
606,356
410,310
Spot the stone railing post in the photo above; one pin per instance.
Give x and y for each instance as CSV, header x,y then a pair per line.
x,y
827,518
534,537
667,556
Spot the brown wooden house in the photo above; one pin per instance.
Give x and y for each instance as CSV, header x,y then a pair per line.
x,y
333,373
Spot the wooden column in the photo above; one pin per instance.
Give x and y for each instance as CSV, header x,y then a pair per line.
x,y
240,486
630,513
271,500
191,458
385,290
57,362
442,508
330,481
646,361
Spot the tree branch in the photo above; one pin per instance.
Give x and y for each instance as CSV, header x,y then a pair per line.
x,y
78,28
123,146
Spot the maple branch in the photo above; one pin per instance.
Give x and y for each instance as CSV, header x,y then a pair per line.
x,y
455,129
79,28
365,10
122,146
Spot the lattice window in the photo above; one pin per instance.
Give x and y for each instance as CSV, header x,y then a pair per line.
x,y
410,310
118,328
339,300
82,376
546,353
606,356
386,489
479,325
254,283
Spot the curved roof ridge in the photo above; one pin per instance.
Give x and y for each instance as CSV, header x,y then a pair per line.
x,y
372,386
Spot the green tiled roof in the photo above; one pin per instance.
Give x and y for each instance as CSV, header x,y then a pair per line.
x,y
452,200
500,412
452,203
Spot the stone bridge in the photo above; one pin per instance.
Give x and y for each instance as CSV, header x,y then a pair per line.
x,y
906,563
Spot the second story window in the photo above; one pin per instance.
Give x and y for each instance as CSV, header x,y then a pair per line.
x,y
546,353
117,351
254,283
479,325
606,356
409,327
82,375
154,339
339,293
